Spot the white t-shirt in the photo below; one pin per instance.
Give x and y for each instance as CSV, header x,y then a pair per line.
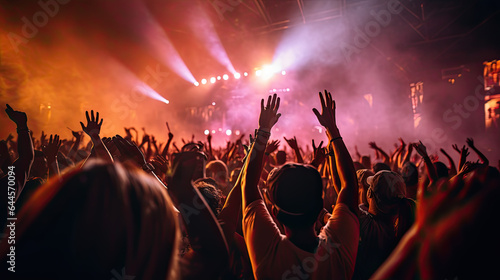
x,y
273,256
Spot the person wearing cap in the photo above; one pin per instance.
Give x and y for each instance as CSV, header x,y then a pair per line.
x,y
295,192
363,186
390,214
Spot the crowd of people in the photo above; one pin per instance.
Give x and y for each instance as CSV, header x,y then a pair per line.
x,y
128,207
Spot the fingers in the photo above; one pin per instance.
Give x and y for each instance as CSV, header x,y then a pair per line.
x,y
278,104
318,115
83,126
320,145
119,143
96,116
87,115
268,101
100,123
322,100
262,105
9,108
328,97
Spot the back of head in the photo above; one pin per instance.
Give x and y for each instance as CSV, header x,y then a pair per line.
x,y
379,166
366,161
441,169
217,170
358,165
410,174
96,220
296,193
389,192
387,188
280,157
209,191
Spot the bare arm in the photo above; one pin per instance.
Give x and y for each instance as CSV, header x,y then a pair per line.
x,y
22,165
292,142
483,158
50,151
422,151
93,130
268,117
453,168
345,167
382,152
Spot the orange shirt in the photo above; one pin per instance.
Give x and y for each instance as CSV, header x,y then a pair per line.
x,y
273,256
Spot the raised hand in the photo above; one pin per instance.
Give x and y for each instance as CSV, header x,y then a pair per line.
x,y
327,116
402,142
129,151
272,146
465,150
466,168
160,163
77,134
93,127
455,147
269,115
145,139
372,145
43,139
315,149
52,148
170,135
470,142
292,142
19,118
319,154
420,148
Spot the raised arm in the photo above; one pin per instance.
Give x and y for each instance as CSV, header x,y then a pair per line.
x,y
292,142
25,150
167,146
50,150
453,168
345,167
382,152
483,158
93,129
319,154
422,151
72,154
231,210
253,167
